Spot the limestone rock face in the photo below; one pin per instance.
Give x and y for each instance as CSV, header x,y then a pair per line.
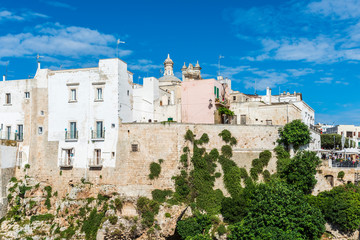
x,y
35,210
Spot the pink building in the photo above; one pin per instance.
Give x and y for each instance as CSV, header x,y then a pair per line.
x,y
200,98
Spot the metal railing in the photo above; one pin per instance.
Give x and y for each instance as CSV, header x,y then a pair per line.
x,y
95,162
345,164
66,162
5,135
96,134
71,135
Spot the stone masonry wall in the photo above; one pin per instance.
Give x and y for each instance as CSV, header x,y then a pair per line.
x,y
155,141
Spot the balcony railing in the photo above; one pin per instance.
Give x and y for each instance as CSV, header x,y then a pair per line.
x,y
71,135
97,135
345,164
5,135
95,162
67,162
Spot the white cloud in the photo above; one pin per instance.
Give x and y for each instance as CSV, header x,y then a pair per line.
x,y
342,9
300,72
6,15
326,80
59,4
56,40
144,65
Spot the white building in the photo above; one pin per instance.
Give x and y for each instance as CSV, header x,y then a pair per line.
x,y
350,131
158,100
76,108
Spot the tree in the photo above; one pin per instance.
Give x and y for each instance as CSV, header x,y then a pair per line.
x,y
341,207
300,171
327,141
296,133
279,211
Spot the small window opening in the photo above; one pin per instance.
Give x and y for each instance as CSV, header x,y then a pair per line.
x,y
134,147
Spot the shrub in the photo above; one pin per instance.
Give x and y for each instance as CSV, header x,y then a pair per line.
x,y
217,175
341,207
44,217
221,229
167,215
234,209
194,226
341,175
160,195
266,176
148,209
155,170
226,150
92,223
189,136
118,204
278,210
226,137
13,179
113,219
184,160
27,166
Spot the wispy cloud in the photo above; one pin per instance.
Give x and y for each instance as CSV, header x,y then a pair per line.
x,y
56,40
24,15
144,65
326,80
325,31
343,9
59,4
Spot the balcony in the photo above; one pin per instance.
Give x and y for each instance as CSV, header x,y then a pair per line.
x,y
95,163
98,135
71,136
66,163
221,103
5,135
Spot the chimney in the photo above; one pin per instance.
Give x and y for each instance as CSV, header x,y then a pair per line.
x,y
4,78
38,64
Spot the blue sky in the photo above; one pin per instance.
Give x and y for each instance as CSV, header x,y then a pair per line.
x,y
310,47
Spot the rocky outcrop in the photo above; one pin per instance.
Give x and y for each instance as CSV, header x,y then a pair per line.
x,y
35,211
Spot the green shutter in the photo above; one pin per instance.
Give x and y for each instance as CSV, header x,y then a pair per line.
x,y
217,92
214,90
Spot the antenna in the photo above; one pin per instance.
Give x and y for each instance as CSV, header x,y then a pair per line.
x,y
117,47
38,60
220,57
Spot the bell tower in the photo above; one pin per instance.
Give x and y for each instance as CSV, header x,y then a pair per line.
x,y
169,66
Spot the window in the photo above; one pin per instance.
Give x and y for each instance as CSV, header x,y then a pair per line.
x,y
42,113
113,125
20,132
40,130
134,147
8,98
99,94
97,157
99,129
73,95
27,95
234,98
73,130
8,132
128,92
268,122
243,119
112,154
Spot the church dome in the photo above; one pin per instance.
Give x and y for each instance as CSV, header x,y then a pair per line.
x,y
169,78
